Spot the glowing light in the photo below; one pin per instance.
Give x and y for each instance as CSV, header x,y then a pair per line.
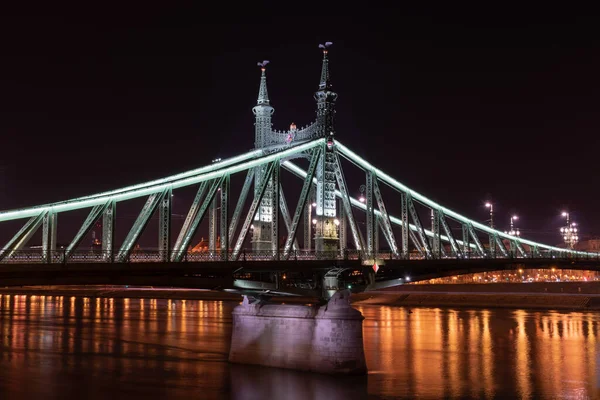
x,y
336,221
314,221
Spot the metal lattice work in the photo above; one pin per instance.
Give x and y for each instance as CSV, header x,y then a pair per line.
x,y
324,183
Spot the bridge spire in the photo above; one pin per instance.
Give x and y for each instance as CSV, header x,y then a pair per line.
x,y
263,110
325,83
263,94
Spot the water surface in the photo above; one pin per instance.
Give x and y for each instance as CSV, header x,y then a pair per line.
x,y
54,347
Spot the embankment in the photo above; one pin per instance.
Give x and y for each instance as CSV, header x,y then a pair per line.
x,y
538,295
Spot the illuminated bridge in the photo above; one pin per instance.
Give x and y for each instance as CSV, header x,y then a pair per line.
x,y
324,226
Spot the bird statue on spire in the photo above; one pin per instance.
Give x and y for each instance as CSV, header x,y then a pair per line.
x,y
263,64
325,46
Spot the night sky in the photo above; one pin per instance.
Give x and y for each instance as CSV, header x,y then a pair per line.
x,y
457,107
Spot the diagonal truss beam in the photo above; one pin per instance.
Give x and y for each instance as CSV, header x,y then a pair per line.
x,y
341,181
476,240
189,228
179,248
301,202
500,246
386,225
139,225
22,237
240,203
521,249
264,181
416,243
286,215
92,217
418,225
453,245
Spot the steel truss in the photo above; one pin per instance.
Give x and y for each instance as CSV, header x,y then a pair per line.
x,y
324,164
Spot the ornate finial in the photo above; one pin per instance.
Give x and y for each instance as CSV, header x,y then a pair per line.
x,y
263,64
325,84
263,95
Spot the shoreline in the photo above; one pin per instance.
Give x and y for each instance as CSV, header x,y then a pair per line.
x,y
460,297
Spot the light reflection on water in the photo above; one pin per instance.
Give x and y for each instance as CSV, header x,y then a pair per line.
x,y
62,347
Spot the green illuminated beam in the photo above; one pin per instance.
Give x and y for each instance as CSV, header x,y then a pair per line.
x,y
357,160
175,181
293,168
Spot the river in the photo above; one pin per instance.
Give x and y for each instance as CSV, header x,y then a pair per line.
x,y
55,347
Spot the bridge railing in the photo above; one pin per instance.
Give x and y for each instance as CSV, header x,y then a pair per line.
x,y
38,256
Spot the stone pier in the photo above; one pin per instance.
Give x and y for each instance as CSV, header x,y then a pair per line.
x,y
326,339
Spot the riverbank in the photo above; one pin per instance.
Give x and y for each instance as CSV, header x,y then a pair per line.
x,y
565,296
536,295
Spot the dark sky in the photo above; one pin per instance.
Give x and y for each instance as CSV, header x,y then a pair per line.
x,y
459,106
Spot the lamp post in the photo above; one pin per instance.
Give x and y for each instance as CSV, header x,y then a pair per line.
x,y
513,231
569,232
491,207
362,189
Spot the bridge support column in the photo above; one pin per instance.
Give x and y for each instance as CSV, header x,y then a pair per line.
x,y
325,339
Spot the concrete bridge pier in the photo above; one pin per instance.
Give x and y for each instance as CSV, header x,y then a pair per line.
x,y
325,339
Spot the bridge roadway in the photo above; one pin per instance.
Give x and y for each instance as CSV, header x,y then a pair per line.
x,y
297,275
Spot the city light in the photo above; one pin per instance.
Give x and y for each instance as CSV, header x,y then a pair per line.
x,y
513,231
491,207
569,232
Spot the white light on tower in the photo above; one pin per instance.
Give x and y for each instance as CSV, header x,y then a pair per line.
x,y
569,232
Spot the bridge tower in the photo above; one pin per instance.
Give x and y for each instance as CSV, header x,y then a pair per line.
x,y
264,234
326,236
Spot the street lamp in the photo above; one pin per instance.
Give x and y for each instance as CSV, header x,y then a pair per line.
x,y
513,231
569,232
491,207
362,189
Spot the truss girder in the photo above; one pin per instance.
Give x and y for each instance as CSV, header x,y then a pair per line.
x,y
476,240
386,225
370,214
285,212
304,194
139,225
341,181
465,240
436,242
164,225
308,220
275,210
240,203
416,243
500,245
22,237
520,248
108,230
179,246
453,245
252,212
185,235
49,225
492,245
92,217
212,224
224,215
405,224
230,166
417,223
343,228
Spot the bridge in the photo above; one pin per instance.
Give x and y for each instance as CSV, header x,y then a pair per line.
x,y
339,232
